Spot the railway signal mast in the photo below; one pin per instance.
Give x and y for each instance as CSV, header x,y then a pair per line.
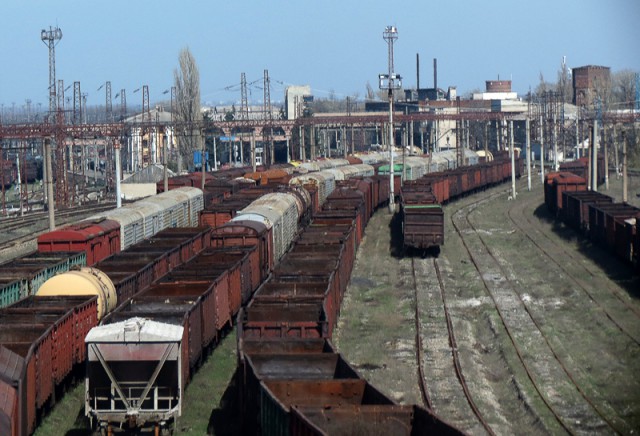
x,y
390,81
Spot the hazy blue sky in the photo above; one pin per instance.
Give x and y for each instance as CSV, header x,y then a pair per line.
x,y
331,45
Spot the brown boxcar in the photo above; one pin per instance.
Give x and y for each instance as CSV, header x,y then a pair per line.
x,y
98,239
38,348
556,184
247,234
575,207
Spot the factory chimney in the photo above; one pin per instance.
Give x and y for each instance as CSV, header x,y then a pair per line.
x,y
418,71
435,73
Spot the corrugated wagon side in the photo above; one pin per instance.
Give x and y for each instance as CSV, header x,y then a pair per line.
x,y
422,220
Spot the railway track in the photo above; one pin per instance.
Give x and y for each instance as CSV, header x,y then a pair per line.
x,y
449,381
613,302
18,230
546,370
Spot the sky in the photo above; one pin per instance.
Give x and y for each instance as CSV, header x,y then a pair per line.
x,y
334,46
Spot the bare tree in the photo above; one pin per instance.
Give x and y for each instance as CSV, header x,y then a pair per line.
x,y
623,88
370,94
543,86
564,86
188,114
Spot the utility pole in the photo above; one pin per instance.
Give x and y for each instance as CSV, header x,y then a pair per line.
x,y
624,167
116,148
542,150
606,157
513,161
390,35
594,157
528,124
49,184
555,142
578,133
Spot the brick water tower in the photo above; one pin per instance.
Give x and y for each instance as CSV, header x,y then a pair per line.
x,y
587,81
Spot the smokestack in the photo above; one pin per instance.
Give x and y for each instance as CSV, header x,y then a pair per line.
x,y
418,70
435,73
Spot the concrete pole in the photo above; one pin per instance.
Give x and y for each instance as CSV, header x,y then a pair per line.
x,y
590,160
541,151
312,139
203,161
513,162
594,156
116,148
215,155
486,141
343,141
615,151
411,142
19,183
301,139
624,168
165,173
392,201
467,133
49,184
288,154
253,151
555,143
528,155
606,157
578,137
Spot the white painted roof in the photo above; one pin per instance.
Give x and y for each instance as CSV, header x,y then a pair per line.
x,y
135,330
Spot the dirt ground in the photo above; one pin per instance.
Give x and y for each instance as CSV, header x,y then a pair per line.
x,y
547,325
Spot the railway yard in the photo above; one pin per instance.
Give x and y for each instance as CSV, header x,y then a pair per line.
x,y
524,328
308,252
518,325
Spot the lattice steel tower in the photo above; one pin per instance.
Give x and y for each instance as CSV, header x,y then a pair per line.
x,y
50,38
244,103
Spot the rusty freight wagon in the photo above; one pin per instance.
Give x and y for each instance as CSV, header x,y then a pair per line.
x,y
134,371
422,220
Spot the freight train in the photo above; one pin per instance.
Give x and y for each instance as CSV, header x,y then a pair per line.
x,y
220,279
203,296
613,226
42,336
108,232
29,171
423,194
